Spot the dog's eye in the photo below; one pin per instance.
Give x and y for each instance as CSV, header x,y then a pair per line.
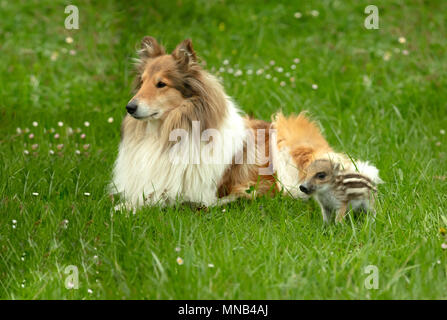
x,y
160,84
321,175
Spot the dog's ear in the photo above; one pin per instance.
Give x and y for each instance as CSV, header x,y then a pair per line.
x,y
150,48
184,54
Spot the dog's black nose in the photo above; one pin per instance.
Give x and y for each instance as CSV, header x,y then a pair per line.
x,y
304,189
132,107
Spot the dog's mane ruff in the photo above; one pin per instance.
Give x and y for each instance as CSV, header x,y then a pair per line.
x,y
206,104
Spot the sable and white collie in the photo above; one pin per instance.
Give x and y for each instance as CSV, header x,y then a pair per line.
x,y
183,139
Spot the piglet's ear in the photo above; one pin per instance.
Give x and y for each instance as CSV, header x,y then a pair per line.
x,y
184,53
150,48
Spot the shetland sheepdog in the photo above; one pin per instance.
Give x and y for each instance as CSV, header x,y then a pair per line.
x,y
184,140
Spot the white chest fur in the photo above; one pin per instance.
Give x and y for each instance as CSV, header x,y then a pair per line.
x,y
145,172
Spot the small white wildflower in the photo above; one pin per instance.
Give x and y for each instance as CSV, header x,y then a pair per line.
x,y
210,265
35,146
87,194
387,56
31,136
296,60
78,152
221,69
60,123
226,62
90,291
438,143
314,13
230,70
22,258
268,76
87,124
22,285
35,194
72,52
402,40
110,120
177,249
35,124
19,131
70,285
259,71
249,71
279,69
83,136
51,151
238,73
69,40
54,56
282,83
95,257
298,15
14,221
223,210
444,246
179,260
70,131
272,62
442,131
438,262
56,136
405,52
13,226
315,86
25,151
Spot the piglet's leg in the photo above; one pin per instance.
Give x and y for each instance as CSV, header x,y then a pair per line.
x,y
341,212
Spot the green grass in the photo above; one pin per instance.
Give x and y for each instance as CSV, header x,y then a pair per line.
x,y
389,112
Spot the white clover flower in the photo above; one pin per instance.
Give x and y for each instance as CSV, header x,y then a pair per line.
x,y
282,83
296,60
19,131
69,40
54,56
60,123
72,52
110,120
272,62
90,291
78,152
26,152
249,71
442,131
35,124
279,69
298,15
31,136
314,13
87,124
238,73
177,249
315,86
402,40
259,71
14,221
226,62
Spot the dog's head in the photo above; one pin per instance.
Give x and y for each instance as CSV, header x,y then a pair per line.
x,y
174,88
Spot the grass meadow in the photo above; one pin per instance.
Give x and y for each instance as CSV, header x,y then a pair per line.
x,y
380,95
